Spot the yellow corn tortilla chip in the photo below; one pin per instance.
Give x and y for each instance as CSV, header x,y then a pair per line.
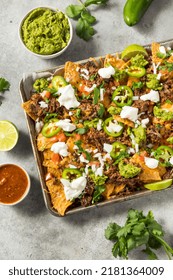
x,y
148,174
58,198
125,121
71,74
170,59
154,51
114,61
56,172
27,107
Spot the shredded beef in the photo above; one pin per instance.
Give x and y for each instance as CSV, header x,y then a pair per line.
x,y
89,111
167,92
153,135
86,199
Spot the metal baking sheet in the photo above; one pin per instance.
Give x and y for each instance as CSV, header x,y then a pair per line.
x,y
25,87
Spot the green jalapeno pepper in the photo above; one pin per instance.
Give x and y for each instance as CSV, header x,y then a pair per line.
x,y
115,132
163,154
71,173
134,10
50,128
136,71
58,81
117,150
123,96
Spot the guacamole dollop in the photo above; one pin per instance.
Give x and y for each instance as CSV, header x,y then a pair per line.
x,y
45,31
128,170
162,114
140,134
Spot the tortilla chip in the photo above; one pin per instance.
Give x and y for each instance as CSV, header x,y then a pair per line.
x,y
58,198
170,59
56,172
109,189
119,188
71,74
154,51
148,175
112,189
114,61
125,121
27,107
44,143
132,80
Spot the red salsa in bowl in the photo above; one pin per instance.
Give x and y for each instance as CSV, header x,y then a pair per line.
x,y
14,184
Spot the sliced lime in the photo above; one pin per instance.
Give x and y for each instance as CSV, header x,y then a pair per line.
x,y
133,50
8,135
157,186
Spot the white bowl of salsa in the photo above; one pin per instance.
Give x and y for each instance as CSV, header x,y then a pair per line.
x,y
14,184
45,32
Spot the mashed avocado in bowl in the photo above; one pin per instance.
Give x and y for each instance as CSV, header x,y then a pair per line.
x,y
46,32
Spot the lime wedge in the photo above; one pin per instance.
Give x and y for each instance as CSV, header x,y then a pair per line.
x,y
8,135
133,50
157,186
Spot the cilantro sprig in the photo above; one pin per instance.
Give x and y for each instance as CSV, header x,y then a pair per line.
x,y
85,20
138,230
4,85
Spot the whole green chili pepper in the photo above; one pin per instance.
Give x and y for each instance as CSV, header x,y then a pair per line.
x,y
134,10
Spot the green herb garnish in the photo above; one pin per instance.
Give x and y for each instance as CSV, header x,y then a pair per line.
x,y
81,150
166,66
101,110
97,196
138,230
81,130
4,85
96,96
84,18
137,85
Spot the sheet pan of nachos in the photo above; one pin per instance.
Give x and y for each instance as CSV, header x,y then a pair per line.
x,y
102,129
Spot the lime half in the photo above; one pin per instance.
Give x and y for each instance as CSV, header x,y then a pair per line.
x,y
8,135
157,186
133,50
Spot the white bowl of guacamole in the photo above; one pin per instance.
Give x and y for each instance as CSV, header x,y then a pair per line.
x,y
46,32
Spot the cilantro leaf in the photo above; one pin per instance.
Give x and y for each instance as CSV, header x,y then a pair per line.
x,y
4,85
101,110
111,231
137,85
166,66
81,130
84,30
96,96
115,250
97,196
88,17
74,11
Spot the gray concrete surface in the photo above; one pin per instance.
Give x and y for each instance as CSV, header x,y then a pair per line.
x,y
29,231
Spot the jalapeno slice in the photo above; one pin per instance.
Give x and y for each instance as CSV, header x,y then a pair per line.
x,y
112,127
71,173
136,71
163,154
58,81
123,96
118,149
50,128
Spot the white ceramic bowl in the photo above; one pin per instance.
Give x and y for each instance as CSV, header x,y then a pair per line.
x,y
49,56
27,189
